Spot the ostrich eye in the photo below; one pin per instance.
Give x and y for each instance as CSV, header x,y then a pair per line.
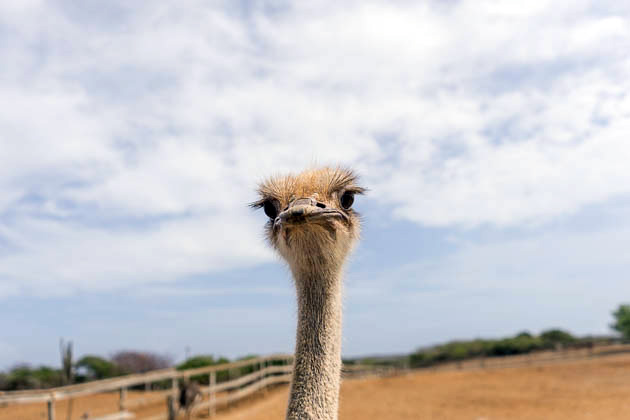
x,y
271,208
346,200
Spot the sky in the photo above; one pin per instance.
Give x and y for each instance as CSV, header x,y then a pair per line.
x,y
492,135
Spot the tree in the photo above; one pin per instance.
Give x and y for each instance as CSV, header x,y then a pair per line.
x,y
94,367
556,337
24,376
48,377
65,349
203,361
21,377
622,321
244,370
140,362
197,362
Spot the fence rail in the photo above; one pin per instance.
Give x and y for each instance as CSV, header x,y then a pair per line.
x,y
266,371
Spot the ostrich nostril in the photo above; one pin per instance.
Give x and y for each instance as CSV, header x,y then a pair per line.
x,y
321,205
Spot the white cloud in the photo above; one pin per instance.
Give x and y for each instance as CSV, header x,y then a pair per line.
x,y
53,258
459,113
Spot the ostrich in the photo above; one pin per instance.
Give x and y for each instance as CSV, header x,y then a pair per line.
x,y
189,392
313,227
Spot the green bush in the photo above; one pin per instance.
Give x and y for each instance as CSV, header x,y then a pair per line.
x,y
622,321
245,370
24,377
203,361
522,343
94,367
48,377
553,337
419,359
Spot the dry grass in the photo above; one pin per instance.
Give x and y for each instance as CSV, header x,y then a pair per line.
x,y
585,389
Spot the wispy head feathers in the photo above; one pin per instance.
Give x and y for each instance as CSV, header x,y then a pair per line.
x,y
325,182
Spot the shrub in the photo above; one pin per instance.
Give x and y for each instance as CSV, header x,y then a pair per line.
x,y
202,361
23,377
94,367
551,338
140,362
622,321
460,350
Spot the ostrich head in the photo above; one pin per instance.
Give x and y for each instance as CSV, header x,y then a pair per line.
x,y
311,223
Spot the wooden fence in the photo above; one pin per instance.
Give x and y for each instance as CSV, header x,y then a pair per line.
x,y
262,372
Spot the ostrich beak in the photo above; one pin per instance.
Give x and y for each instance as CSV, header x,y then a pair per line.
x,y
306,210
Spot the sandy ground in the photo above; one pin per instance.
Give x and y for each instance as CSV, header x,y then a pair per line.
x,y
93,406
594,389
589,389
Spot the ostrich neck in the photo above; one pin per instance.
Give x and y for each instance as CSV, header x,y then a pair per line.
x,y
316,374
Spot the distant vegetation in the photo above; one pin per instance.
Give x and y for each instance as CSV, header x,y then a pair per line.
x,y
24,377
522,343
203,361
460,350
622,321
140,362
88,368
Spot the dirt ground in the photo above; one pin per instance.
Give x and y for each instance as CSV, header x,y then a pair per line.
x,y
91,406
588,389
593,389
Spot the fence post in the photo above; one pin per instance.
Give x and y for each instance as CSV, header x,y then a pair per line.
x,y
212,397
170,403
174,386
263,365
51,409
123,397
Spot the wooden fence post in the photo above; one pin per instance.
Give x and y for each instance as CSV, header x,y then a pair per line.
x,y
123,397
170,403
212,397
51,409
174,386
263,365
